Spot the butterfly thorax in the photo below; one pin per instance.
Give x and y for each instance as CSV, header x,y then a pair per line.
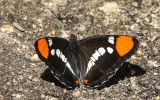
x,y
75,53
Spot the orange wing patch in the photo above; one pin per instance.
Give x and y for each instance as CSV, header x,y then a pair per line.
x,y
77,82
85,81
43,47
69,36
124,44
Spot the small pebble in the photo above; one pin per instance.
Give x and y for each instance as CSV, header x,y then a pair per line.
x,y
109,7
18,26
7,28
153,63
35,58
53,98
77,93
1,97
155,74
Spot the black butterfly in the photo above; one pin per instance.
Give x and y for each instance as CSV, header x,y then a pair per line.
x,y
89,62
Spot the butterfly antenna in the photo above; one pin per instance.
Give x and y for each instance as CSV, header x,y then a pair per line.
x,y
58,19
81,21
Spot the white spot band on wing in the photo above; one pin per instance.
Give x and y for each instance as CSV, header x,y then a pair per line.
x,y
110,50
50,41
93,59
58,52
101,51
64,59
111,39
96,55
52,52
69,67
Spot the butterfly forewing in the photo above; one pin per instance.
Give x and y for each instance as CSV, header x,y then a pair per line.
x,y
103,55
55,52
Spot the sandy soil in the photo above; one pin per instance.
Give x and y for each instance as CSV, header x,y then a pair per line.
x,y
22,22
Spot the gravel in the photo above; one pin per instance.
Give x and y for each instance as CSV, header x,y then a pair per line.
x,y
22,22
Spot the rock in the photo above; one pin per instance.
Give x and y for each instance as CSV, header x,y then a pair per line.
x,y
109,7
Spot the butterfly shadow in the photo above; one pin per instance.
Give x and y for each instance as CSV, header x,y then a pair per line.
x,y
126,70
47,76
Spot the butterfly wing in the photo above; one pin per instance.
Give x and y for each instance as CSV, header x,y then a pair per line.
x,y
55,52
103,55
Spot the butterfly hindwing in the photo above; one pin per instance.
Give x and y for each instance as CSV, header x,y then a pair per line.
x,y
55,52
103,55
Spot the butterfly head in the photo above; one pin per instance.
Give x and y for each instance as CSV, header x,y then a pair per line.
x,y
72,37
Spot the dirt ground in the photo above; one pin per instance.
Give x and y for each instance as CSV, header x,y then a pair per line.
x,y
22,22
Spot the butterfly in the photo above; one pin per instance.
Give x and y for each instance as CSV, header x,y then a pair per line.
x,y
89,62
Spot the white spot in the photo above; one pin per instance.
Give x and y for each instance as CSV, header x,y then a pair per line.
x,y
62,57
89,66
69,67
92,62
111,40
93,59
52,52
101,50
58,52
65,60
52,72
110,50
50,41
96,55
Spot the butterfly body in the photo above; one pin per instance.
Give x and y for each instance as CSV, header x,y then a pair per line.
x,y
89,62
